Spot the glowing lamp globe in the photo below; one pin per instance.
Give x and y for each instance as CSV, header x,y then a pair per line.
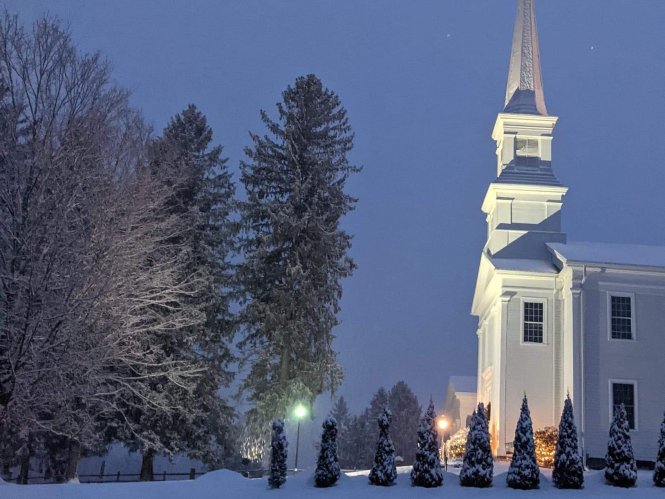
x,y
443,424
300,411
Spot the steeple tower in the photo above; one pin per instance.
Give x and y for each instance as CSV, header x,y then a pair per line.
x,y
523,204
524,93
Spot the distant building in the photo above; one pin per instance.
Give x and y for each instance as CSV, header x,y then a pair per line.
x,y
460,402
558,317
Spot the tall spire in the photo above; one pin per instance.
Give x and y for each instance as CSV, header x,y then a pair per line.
x,y
524,93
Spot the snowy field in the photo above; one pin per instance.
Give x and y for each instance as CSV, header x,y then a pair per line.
x,y
230,485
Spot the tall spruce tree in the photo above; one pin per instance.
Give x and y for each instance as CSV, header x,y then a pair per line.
x,y
427,470
659,467
524,472
568,472
295,252
327,467
202,195
620,466
278,455
478,464
384,471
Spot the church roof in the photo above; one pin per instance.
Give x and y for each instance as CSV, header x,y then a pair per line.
x,y
524,93
524,265
464,383
621,255
537,174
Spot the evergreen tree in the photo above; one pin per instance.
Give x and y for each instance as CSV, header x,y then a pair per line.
x,y
620,466
659,468
340,413
406,411
427,470
202,195
327,468
568,472
384,471
478,464
295,252
358,456
524,472
278,454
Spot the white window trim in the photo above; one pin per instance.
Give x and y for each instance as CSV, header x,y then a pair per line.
x,y
633,321
526,299
610,400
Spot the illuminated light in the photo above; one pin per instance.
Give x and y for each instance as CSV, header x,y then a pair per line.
x,y
300,411
442,424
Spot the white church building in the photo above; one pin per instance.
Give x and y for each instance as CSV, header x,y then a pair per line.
x,y
558,317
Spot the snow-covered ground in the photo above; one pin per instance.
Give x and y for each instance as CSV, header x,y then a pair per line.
x,y
230,485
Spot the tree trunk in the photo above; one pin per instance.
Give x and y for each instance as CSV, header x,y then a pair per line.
x,y
73,458
146,466
24,469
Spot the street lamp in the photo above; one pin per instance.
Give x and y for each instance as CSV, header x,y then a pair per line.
x,y
299,412
442,424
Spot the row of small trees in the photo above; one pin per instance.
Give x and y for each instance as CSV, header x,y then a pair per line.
x,y
478,464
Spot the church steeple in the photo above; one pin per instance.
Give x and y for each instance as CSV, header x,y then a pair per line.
x,y
524,92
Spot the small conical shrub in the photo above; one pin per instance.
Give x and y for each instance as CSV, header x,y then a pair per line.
x,y
278,454
620,467
568,472
426,471
384,471
327,467
478,464
659,468
524,472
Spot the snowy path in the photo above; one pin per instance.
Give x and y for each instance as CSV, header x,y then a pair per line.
x,y
229,485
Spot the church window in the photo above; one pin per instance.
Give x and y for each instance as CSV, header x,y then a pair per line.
x,y
621,317
527,152
624,393
533,322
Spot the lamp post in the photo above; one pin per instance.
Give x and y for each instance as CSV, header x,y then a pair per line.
x,y
299,412
442,424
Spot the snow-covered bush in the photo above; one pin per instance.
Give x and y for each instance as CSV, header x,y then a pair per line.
x,y
327,468
523,473
456,445
384,471
620,467
659,468
278,446
478,465
568,470
427,470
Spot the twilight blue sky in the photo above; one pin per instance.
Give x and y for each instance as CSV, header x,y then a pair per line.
x,y
423,81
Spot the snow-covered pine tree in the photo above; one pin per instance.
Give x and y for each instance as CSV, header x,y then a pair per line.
x,y
340,413
427,470
384,471
406,411
327,467
278,454
568,472
295,252
524,472
478,464
620,466
659,467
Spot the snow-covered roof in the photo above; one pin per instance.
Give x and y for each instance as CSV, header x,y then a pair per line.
x,y
464,383
540,174
524,265
634,255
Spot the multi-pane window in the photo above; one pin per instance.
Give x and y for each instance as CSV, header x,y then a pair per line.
x,y
533,322
527,152
624,393
621,318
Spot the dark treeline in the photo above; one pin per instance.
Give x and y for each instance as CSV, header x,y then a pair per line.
x,y
134,284
358,434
